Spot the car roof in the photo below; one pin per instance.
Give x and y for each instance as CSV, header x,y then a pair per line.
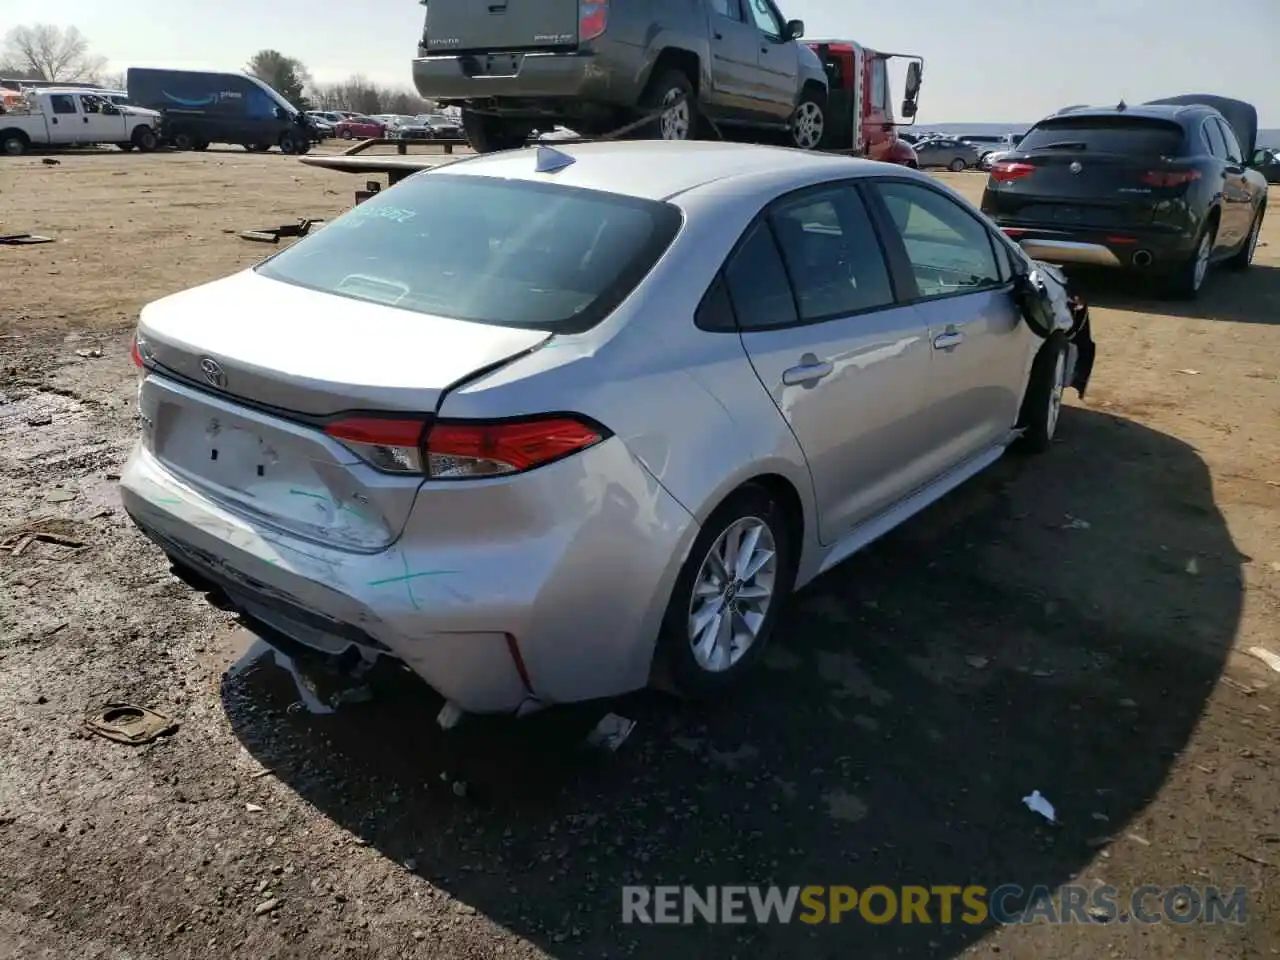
x,y
1150,111
662,169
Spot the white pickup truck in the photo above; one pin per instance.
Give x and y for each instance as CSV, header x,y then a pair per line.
x,y
64,118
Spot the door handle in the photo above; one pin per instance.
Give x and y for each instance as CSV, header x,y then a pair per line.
x,y
810,370
945,341
84,119
718,36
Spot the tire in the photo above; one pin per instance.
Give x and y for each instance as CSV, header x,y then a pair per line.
x,y
346,135
1042,403
489,134
183,141
1243,259
288,143
14,143
956,165
679,122
144,138
1187,279
691,674
809,122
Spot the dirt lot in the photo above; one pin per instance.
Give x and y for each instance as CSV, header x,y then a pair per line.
x,y
1077,625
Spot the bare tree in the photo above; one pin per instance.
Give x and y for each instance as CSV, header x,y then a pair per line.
x,y
361,96
46,52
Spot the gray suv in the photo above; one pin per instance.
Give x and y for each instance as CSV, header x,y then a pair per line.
x,y
520,66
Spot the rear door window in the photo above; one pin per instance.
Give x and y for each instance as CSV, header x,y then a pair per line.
x,y
832,254
1120,134
506,252
63,103
1234,153
1213,137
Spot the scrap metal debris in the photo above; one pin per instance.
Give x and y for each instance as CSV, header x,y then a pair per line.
x,y
21,239
129,724
1271,659
36,532
1038,804
610,733
275,234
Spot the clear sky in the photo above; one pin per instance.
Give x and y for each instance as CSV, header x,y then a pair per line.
x,y
985,61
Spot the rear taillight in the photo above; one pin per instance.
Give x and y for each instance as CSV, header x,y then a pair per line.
x,y
464,449
1005,171
135,350
593,17
1170,178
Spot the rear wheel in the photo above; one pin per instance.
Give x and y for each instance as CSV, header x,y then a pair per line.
x,y
288,143
672,93
346,135
1188,278
183,141
1042,403
809,122
488,133
728,595
956,165
1244,259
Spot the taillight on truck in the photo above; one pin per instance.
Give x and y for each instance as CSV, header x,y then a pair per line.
x,y
593,17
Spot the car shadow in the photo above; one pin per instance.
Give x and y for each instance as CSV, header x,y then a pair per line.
x,y
1249,297
1057,624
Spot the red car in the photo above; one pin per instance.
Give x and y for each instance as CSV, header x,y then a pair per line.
x,y
359,128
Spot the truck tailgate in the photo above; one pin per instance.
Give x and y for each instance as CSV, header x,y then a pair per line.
x,y
469,26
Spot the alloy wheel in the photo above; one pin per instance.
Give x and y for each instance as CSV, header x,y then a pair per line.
x,y
675,122
807,126
731,594
1055,394
1202,261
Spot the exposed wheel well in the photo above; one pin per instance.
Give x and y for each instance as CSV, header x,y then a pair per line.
x,y
782,490
685,61
815,91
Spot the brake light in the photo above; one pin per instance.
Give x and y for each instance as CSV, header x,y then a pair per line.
x,y
593,17
135,351
1006,171
1170,178
463,449
458,450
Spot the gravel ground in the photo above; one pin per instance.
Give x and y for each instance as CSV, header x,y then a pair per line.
x,y
1078,625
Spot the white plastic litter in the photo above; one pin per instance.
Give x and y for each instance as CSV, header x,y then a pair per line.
x,y
1271,659
1038,804
610,732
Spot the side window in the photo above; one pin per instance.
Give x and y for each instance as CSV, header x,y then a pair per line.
x,y
949,249
1213,137
63,103
92,104
730,9
764,17
1234,153
715,312
880,85
832,254
757,282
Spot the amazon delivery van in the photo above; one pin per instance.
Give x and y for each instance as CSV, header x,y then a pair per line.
x,y
202,107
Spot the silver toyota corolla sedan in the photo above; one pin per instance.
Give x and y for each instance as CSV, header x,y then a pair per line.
x,y
550,424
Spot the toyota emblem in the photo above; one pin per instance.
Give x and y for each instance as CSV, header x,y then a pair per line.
x,y
1076,167
213,373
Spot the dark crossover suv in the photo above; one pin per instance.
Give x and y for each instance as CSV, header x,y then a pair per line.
x,y
1162,187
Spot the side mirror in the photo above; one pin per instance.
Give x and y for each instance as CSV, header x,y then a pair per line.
x,y
908,110
795,29
912,90
279,112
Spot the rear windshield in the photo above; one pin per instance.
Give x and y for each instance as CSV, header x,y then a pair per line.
x,y
508,252
1141,135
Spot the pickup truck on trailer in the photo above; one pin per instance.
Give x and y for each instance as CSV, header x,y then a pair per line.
x,y
71,118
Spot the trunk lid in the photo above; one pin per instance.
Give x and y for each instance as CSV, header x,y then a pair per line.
x,y
247,368
1083,171
478,26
